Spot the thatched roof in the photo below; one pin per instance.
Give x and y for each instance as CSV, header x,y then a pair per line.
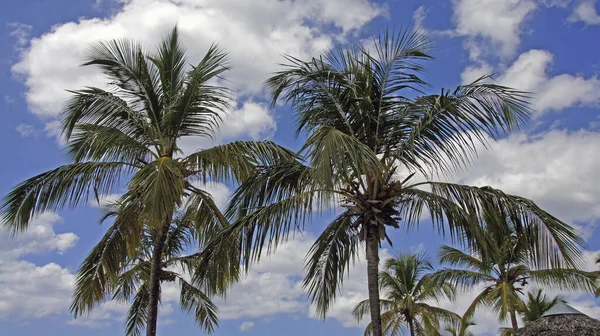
x,y
562,320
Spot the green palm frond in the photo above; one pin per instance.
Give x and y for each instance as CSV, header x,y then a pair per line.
x,y
441,132
160,186
328,259
92,142
100,270
198,109
68,185
126,64
170,63
100,107
553,243
235,161
195,302
566,279
329,149
136,316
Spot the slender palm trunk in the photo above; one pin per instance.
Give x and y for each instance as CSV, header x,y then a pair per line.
x,y
513,320
155,269
411,327
373,283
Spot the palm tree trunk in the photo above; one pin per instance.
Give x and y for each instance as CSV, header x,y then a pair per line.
x,y
373,283
155,269
513,320
411,326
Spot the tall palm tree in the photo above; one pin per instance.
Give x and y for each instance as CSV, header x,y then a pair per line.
x,y
504,262
130,283
409,290
369,129
131,133
537,304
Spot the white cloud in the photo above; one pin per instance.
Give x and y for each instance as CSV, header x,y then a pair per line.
x,y
272,286
418,18
247,325
39,238
474,72
586,12
28,290
497,23
219,192
255,34
20,32
558,170
31,291
25,130
530,73
104,315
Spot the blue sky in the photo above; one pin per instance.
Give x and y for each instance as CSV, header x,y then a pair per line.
x,y
546,47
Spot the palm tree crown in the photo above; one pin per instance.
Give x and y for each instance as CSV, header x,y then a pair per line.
x,y
537,304
409,290
369,128
131,132
505,262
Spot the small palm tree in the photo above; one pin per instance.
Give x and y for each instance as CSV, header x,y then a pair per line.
x,y
537,304
461,329
409,290
130,284
505,262
369,129
131,132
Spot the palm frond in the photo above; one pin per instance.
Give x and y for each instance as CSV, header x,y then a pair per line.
x,y
68,185
92,142
553,242
235,161
138,312
160,186
199,109
328,259
441,132
136,78
100,270
195,302
566,279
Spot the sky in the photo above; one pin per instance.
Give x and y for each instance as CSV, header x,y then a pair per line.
x,y
546,47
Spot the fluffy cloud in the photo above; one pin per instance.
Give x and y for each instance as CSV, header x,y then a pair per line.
x,y
557,169
25,130
31,291
586,12
273,286
530,73
256,34
28,290
474,72
497,22
20,32
39,238
247,325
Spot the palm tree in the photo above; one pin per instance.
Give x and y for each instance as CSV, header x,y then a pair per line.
x,y
130,283
409,289
461,329
504,262
536,305
131,132
369,129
